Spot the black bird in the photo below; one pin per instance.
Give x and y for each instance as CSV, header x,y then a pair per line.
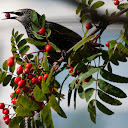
x,y
61,36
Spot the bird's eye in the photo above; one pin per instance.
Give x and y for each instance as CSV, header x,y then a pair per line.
x,y
19,13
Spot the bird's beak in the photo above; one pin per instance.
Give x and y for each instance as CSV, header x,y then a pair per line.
x,y
17,13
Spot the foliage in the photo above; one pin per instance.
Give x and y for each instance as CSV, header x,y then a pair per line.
x,y
45,95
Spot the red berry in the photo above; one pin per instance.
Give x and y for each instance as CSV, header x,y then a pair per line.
x,y
21,83
5,111
42,31
17,79
19,70
27,70
70,69
39,79
12,57
89,26
29,65
30,76
2,105
34,80
7,15
116,2
11,95
10,62
7,121
46,76
14,100
5,117
25,89
18,91
88,79
48,48
107,43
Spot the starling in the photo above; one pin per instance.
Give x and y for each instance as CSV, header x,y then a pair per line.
x,y
61,36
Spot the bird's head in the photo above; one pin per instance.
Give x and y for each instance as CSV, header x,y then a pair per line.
x,y
22,15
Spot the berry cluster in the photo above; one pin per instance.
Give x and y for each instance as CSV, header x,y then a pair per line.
x,y
5,111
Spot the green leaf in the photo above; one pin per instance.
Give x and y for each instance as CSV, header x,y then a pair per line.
x,y
90,1
75,93
109,67
38,36
80,7
18,61
14,123
42,20
55,105
46,67
86,84
27,103
5,65
44,86
81,92
16,33
55,47
49,76
92,110
24,49
12,69
88,74
82,42
113,77
47,116
89,93
38,94
108,99
19,38
48,32
84,1
35,42
103,108
69,96
13,32
7,79
107,14
110,89
84,18
35,27
72,84
21,111
2,76
21,44
12,83
97,5
34,17
122,6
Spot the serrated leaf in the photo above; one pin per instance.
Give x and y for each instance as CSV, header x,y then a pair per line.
x,y
89,93
27,103
35,28
49,76
82,43
24,49
110,89
103,108
55,105
21,111
5,65
14,123
19,38
122,6
47,117
90,1
44,86
69,96
108,99
97,4
46,67
88,74
38,94
81,92
35,42
38,36
34,17
92,110
55,47
42,20
7,79
15,35
21,43
113,77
